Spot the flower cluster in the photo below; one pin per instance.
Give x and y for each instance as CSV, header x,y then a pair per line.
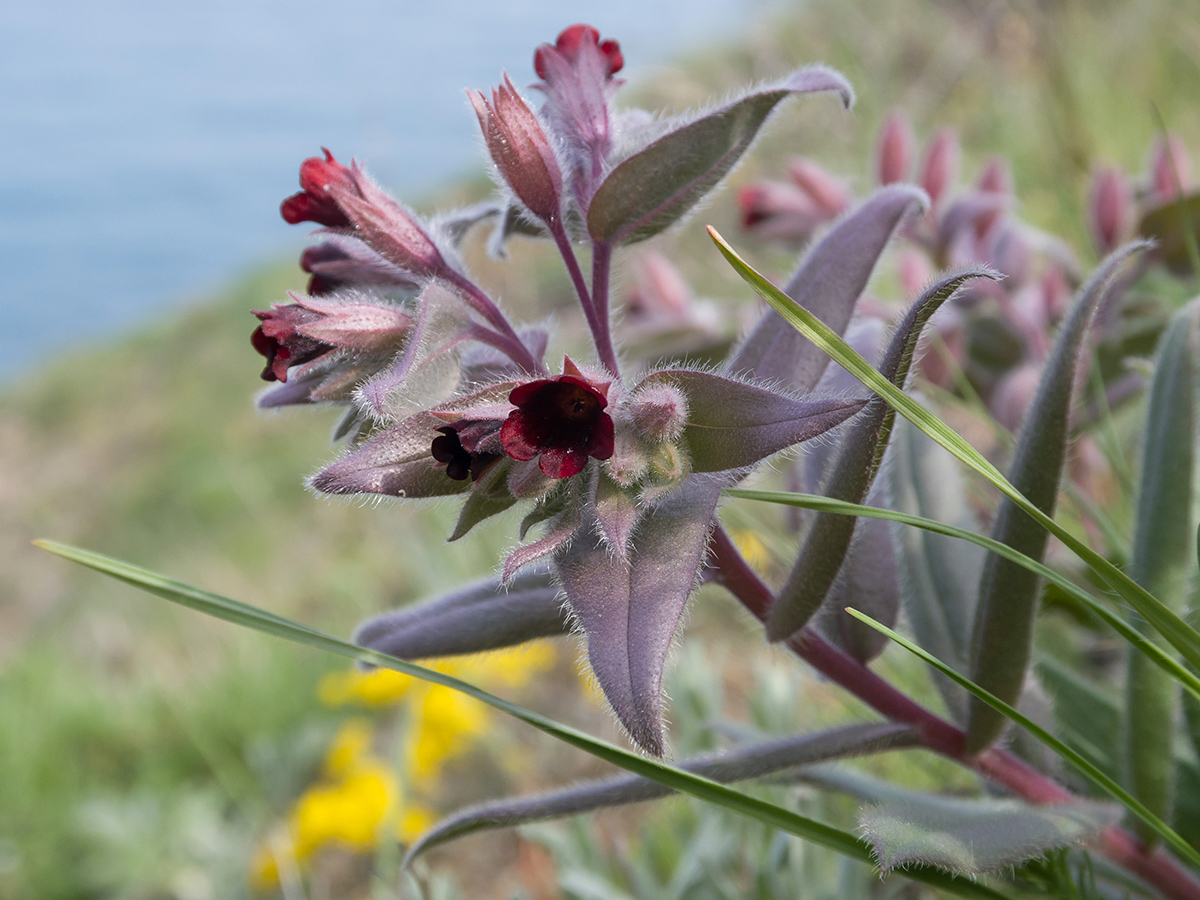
x,y
446,396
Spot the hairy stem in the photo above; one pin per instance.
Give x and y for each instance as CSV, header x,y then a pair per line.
x,y
1154,866
601,267
563,243
505,338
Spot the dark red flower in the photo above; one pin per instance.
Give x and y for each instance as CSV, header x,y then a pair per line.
x,y
278,339
569,42
561,421
461,463
293,334
313,203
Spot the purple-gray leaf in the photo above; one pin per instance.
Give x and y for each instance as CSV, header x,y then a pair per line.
x,y
629,611
558,532
481,616
939,575
732,424
489,497
739,764
616,514
395,462
828,283
869,583
1003,630
824,549
658,185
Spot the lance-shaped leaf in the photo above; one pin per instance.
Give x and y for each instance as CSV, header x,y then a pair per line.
x,y
396,462
490,497
428,368
1163,560
739,764
655,187
1003,629
629,611
559,531
863,446
732,424
939,576
481,616
971,837
828,284
869,582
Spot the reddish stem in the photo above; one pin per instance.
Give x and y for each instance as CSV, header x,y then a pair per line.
x,y
734,573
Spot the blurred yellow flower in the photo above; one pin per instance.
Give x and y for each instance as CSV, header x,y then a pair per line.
x,y
358,804
751,546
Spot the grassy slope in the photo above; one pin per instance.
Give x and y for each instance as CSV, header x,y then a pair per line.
x,y
151,449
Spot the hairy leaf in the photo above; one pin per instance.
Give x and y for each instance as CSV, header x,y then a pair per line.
x,y
869,581
490,497
739,764
1162,560
428,368
1003,630
1105,783
971,837
652,189
630,611
828,284
939,577
862,450
732,424
481,616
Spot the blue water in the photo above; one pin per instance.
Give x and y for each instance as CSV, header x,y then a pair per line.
x,y
145,145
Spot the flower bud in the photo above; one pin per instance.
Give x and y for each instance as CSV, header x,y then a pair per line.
x,y
521,151
827,192
314,203
387,227
896,148
779,212
1170,168
913,271
996,178
939,170
297,333
658,412
660,291
630,460
577,77
571,44
1110,204
668,464
334,266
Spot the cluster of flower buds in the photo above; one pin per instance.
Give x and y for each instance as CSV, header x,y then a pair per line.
x,y
997,333
1121,206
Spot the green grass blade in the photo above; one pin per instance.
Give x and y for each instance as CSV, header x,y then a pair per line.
x,y
1172,666
1177,632
1182,847
677,779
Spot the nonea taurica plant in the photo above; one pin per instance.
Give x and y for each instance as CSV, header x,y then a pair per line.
x,y
617,451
